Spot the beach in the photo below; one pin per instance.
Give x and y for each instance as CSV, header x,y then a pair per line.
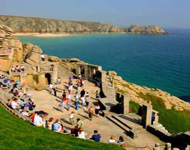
x,y
43,34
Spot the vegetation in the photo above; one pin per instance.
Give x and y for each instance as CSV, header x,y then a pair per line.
x,y
174,121
134,107
16,134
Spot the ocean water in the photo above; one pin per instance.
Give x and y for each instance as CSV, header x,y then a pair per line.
x,y
155,61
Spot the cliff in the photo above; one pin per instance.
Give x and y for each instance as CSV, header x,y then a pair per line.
x,y
42,25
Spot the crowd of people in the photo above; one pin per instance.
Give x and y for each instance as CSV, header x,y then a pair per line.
x,y
25,105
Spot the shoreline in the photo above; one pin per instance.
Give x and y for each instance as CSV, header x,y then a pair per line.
x,y
43,34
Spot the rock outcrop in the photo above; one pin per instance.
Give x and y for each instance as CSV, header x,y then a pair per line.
x,y
41,25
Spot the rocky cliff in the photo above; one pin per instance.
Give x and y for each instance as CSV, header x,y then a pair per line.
x,y
41,25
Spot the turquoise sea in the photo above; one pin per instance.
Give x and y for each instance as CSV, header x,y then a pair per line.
x,y
155,61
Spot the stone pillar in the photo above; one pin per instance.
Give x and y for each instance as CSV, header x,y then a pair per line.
x,y
125,104
156,117
86,74
168,146
78,70
146,115
54,74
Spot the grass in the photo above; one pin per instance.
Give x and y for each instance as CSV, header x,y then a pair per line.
x,y
16,134
174,121
134,107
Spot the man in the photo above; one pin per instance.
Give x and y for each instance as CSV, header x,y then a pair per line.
x,y
79,123
96,137
82,93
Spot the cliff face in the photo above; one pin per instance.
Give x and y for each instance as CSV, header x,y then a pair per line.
x,y
41,25
135,29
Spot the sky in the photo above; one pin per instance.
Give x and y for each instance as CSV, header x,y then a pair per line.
x,y
164,13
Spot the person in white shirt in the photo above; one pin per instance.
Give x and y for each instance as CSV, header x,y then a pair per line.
x,y
24,112
51,88
82,134
38,121
14,104
112,139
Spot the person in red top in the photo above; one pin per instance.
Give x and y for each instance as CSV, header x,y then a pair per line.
x,y
64,100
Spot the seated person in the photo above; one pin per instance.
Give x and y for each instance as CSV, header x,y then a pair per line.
x,y
37,120
32,105
2,76
12,69
22,68
24,112
14,104
96,137
74,131
56,126
21,108
10,101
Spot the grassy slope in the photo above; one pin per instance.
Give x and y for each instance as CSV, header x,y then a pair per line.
x,y
174,121
16,134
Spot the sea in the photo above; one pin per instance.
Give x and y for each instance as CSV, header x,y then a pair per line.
x,y
154,61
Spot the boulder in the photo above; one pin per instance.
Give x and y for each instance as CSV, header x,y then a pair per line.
x,y
113,73
74,60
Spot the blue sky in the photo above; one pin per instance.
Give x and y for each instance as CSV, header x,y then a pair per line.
x,y
165,13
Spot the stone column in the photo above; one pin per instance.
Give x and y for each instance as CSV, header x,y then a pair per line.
x,y
146,115
86,74
54,74
78,70
156,117
125,103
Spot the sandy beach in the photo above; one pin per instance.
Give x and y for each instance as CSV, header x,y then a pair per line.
x,y
43,34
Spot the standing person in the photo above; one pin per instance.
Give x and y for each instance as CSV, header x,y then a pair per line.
x,y
90,113
82,93
97,109
71,117
87,98
79,123
96,137
83,102
76,101
78,85
51,88
69,102
97,95
64,93
55,89
70,78
62,105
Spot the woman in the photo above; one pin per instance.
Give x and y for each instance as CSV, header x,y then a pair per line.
x,y
90,113
71,118
50,123
56,126
121,141
112,139
82,134
97,109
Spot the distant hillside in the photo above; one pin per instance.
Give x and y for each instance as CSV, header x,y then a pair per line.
x,y
42,25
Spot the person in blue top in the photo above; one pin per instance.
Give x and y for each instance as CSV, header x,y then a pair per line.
x,y
96,137
56,126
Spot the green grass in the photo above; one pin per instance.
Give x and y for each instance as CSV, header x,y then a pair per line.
x,y
174,121
134,107
16,134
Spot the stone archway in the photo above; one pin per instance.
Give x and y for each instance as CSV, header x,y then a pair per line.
x,y
48,78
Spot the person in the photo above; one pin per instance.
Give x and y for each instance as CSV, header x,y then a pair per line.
x,y
64,93
58,80
78,85
37,120
56,126
22,68
81,134
51,88
74,131
79,123
153,118
83,102
32,105
50,123
90,113
87,99
97,95
69,102
77,104
121,141
24,112
71,118
14,104
70,78
96,137
97,109
42,57
82,93
55,89
64,100
112,139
